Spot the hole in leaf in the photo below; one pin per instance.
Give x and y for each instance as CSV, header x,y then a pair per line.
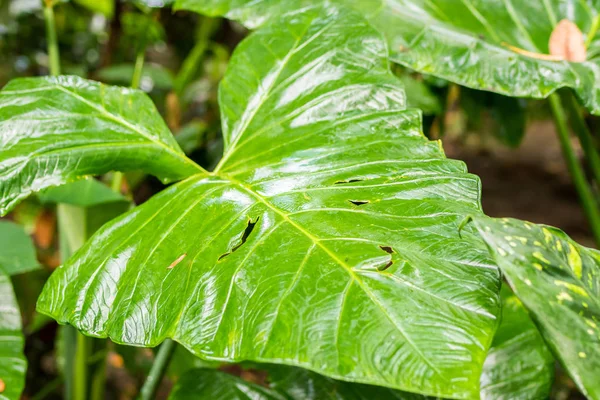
x,y
386,266
387,249
245,235
347,181
359,202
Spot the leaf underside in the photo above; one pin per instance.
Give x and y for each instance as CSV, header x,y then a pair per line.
x,y
326,238
283,383
558,281
490,45
56,130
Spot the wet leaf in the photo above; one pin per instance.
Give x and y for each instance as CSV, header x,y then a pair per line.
x,y
282,253
497,46
57,130
558,281
519,365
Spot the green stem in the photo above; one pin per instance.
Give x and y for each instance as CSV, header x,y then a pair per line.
x,y
592,33
163,357
585,137
585,194
81,368
51,37
138,69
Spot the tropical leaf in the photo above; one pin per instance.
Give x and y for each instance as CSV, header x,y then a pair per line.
x,y
84,193
519,365
17,255
489,45
57,130
327,236
558,281
12,361
122,74
420,96
284,383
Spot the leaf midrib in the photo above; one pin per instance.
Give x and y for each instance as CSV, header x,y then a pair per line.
x,y
339,261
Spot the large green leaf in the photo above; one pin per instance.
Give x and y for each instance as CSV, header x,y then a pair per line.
x,y
12,361
17,253
327,237
285,383
56,130
558,281
519,365
476,43
84,193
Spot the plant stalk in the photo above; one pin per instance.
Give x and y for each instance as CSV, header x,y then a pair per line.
x,y
138,69
581,185
51,38
585,137
161,362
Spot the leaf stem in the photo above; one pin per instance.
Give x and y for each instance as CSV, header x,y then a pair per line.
x,y
138,68
585,194
585,137
592,33
163,357
81,368
51,38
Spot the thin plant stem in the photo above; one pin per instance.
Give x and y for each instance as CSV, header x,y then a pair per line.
x,y
581,185
161,362
592,33
138,68
117,178
81,368
585,137
51,38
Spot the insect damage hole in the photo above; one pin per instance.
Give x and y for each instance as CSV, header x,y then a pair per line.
x,y
359,202
347,181
245,235
390,251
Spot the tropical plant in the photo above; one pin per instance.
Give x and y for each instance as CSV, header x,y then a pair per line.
x,y
333,245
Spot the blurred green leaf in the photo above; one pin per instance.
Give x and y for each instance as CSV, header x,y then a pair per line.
x,y
418,95
106,7
190,136
17,252
13,364
156,75
83,193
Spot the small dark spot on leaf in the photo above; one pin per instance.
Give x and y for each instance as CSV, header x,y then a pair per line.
x,y
386,266
387,249
482,37
359,202
347,181
245,235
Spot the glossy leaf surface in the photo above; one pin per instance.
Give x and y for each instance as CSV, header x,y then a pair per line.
x,y
519,365
287,383
558,281
498,46
12,361
57,130
327,237
17,253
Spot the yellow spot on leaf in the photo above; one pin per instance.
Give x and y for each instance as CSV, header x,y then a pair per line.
x,y
527,282
575,261
591,323
564,296
540,257
2,386
573,288
501,251
558,245
582,354
537,243
179,259
537,266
